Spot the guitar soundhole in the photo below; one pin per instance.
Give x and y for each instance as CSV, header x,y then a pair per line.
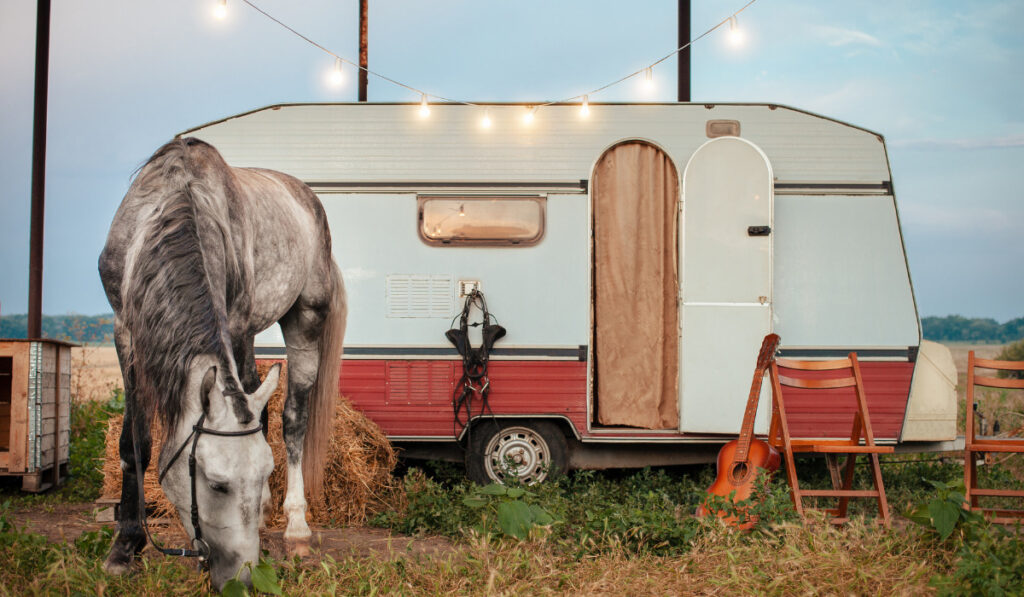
x,y
739,472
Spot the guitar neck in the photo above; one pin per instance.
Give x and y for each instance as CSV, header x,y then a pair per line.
x,y
749,416
764,358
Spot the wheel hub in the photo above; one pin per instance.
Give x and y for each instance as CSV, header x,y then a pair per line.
x,y
517,452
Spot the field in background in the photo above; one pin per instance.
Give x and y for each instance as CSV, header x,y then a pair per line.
x,y
95,372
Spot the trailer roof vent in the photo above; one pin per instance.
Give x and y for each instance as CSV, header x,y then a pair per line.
x,y
420,296
722,128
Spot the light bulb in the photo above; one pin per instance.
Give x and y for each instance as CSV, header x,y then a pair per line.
x,y
486,120
735,33
585,106
424,106
649,78
462,210
337,76
220,10
529,116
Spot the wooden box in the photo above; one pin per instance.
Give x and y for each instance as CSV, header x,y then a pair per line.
x,y
35,411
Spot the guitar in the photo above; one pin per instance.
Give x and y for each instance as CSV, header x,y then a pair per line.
x,y
740,459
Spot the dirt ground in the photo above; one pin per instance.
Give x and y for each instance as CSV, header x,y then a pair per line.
x,y
63,523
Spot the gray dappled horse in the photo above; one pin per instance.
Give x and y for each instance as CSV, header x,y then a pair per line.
x,y
199,259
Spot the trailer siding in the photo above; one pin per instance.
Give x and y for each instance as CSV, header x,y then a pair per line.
x,y
391,143
412,399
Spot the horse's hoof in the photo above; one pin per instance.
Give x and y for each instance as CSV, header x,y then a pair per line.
x,y
297,547
116,566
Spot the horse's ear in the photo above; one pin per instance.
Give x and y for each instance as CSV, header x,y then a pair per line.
x,y
266,389
209,382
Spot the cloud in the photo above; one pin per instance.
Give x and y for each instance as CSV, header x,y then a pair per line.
x,y
837,36
1006,141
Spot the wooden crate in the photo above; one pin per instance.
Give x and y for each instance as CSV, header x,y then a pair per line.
x,y
35,411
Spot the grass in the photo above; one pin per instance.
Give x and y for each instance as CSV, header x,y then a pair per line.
x,y
611,532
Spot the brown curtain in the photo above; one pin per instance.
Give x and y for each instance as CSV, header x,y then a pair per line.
x,y
636,287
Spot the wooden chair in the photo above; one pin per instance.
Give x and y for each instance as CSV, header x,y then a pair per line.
x,y
822,377
977,444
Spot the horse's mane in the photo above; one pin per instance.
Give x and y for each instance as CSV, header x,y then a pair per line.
x,y
179,276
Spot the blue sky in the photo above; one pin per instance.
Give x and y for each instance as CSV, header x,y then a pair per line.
x,y
940,79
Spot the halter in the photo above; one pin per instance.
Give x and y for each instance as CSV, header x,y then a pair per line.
x,y
201,549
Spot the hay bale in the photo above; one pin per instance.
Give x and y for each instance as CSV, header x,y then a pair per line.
x,y
357,475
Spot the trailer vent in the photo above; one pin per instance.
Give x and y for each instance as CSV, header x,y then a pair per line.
x,y
722,128
419,382
420,296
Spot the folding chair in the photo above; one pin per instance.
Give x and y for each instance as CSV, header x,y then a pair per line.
x,y
825,381
977,444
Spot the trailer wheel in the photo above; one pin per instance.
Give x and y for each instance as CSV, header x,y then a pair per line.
x,y
530,451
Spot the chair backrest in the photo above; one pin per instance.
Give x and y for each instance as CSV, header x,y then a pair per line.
x,y
794,379
975,380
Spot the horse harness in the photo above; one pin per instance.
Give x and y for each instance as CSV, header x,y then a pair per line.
x,y
201,549
474,380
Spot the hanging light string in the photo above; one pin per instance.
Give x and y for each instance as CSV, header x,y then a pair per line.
x,y
731,19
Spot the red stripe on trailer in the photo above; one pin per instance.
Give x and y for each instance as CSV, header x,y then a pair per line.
x,y
413,398
818,413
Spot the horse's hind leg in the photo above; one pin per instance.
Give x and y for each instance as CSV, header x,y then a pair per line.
x,y
130,537
301,328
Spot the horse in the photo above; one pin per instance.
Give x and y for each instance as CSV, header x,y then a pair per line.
x,y
201,257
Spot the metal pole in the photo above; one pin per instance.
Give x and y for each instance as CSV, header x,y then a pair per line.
x,y
362,49
35,260
684,54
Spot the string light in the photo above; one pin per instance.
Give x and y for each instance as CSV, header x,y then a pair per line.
x,y
337,76
735,33
649,79
735,36
530,114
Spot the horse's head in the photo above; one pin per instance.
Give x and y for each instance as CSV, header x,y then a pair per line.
x,y
230,477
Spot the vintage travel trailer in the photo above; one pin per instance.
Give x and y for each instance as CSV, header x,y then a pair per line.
x,y
635,256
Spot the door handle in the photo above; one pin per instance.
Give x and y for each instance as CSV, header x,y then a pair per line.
x,y
759,230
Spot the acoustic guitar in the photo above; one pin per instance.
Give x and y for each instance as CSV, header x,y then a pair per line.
x,y
740,459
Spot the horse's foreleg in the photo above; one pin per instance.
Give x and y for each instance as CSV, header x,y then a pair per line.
x,y
245,360
131,537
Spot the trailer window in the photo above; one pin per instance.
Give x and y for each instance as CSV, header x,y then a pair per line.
x,y
481,221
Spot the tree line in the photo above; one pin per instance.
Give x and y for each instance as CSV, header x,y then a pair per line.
x,y
956,328
92,329
99,329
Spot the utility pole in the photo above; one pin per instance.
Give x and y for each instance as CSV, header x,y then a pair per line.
x,y
362,49
684,54
35,259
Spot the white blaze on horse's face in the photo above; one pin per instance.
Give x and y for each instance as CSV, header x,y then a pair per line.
x,y
231,474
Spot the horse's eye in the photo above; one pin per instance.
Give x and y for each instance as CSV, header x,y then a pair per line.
x,y
219,487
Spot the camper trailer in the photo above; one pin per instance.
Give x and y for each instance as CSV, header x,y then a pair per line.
x,y
634,256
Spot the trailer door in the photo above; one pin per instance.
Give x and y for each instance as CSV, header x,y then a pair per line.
x,y
726,283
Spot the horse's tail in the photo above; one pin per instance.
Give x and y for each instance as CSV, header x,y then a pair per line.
x,y
322,396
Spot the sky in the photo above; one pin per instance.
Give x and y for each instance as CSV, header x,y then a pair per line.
x,y
941,80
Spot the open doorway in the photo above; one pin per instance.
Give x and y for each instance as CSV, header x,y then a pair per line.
x,y
635,338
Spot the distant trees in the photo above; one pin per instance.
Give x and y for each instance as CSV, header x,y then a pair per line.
x,y
92,329
956,328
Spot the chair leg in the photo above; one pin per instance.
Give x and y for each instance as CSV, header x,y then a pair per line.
x,y
794,484
844,502
883,503
969,499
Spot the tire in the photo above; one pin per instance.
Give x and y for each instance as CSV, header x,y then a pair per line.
x,y
538,448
